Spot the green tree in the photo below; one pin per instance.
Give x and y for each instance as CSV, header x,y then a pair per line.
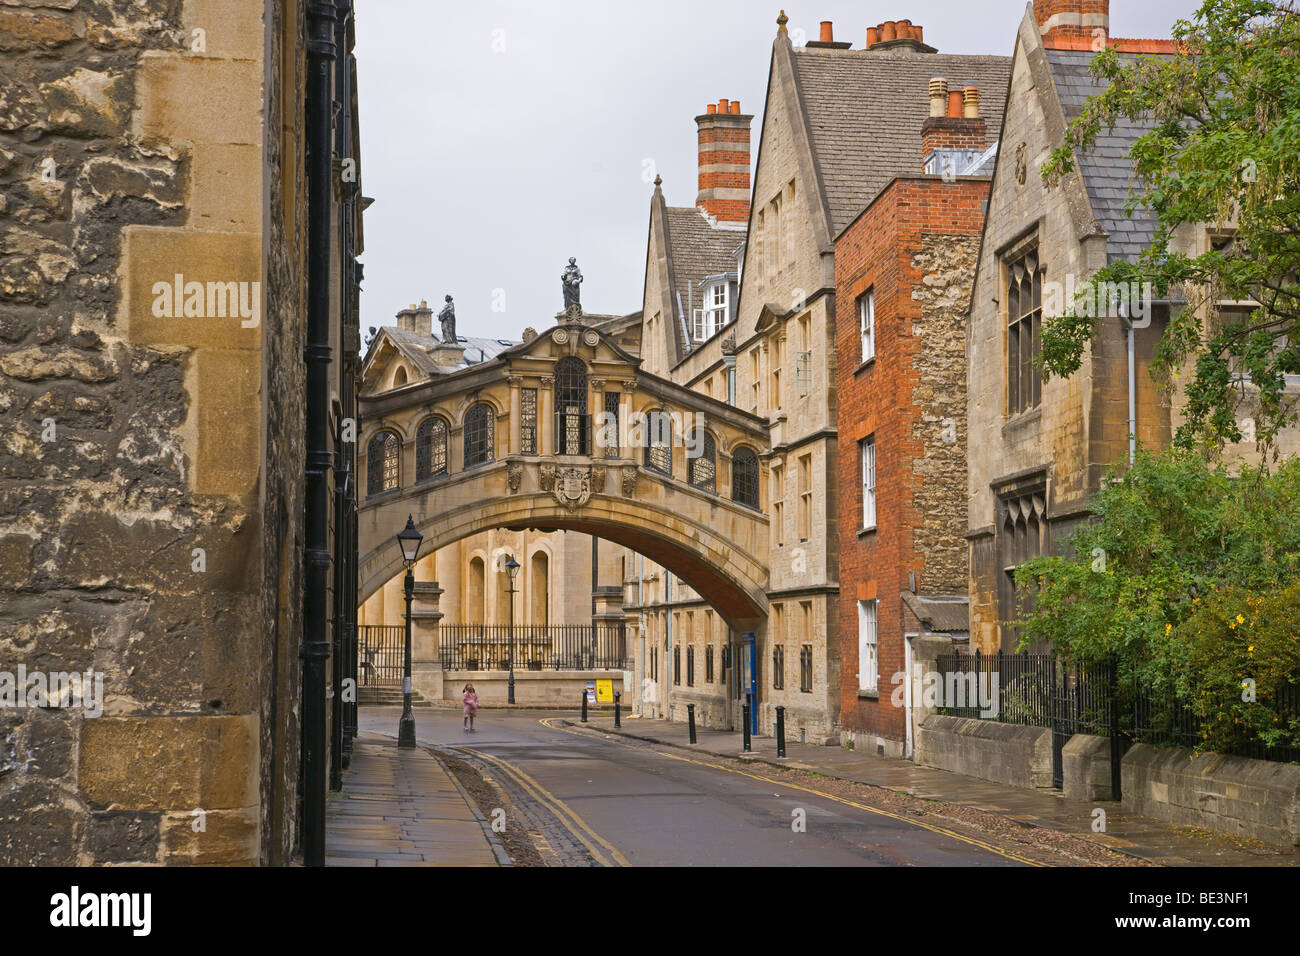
x,y
1223,147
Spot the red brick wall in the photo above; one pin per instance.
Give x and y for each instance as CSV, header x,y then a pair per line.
x,y
899,400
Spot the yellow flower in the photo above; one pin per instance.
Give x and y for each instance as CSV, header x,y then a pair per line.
x,y
1240,619
1168,628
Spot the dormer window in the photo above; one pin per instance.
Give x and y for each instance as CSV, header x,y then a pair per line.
x,y
714,314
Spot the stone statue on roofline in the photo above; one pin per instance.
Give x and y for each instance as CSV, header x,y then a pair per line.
x,y
571,279
448,319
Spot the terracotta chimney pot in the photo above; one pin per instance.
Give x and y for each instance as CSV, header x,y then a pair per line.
x,y
873,36
828,32
711,108
735,106
888,31
724,106
903,29
954,104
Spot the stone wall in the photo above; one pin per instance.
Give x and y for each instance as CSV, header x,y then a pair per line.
x,y
1011,754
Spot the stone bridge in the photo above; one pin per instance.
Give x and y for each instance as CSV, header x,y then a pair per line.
x,y
564,432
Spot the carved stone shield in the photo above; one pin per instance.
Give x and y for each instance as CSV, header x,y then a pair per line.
x,y
572,487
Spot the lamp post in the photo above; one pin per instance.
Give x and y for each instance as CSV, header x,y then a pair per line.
x,y
512,569
409,540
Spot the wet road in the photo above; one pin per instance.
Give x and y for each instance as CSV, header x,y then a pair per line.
x,y
632,803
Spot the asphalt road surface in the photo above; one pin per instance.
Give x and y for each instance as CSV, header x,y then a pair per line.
x,y
602,800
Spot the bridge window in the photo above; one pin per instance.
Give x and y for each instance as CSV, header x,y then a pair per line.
x,y
528,421
572,428
611,424
744,477
431,449
382,460
659,443
480,422
704,467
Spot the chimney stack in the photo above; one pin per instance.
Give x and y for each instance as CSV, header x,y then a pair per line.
x,y
416,318
1072,19
724,161
897,34
962,128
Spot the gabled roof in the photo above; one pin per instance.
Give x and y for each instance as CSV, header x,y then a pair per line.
x,y
418,349
1107,169
864,110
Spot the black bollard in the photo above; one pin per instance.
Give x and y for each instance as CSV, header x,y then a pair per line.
x,y
745,714
584,706
690,720
780,731
618,716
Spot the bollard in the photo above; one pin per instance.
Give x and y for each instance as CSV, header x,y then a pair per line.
x,y
745,714
690,719
584,706
618,717
780,731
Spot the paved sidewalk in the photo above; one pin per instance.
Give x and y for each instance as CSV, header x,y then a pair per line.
x,y
1125,832
401,808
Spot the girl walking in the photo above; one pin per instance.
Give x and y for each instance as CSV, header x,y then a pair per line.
x,y
469,697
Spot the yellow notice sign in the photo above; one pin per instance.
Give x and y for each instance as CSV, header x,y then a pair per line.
x,y
605,691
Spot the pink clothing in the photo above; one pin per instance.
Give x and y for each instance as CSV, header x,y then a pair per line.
x,y
470,700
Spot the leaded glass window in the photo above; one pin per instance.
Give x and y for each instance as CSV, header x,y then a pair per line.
x,y
744,477
382,462
612,424
659,443
571,406
480,421
704,466
528,422
431,449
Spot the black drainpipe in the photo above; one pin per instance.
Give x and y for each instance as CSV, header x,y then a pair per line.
x,y
315,648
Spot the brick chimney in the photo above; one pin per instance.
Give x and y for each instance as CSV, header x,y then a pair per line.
x,y
954,121
724,161
1072,20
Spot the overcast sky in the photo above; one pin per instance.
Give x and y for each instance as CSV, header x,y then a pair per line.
x,y
500,138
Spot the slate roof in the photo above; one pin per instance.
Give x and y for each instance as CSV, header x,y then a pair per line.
x,y
416,346
696,249
1106,167
943,615
865,109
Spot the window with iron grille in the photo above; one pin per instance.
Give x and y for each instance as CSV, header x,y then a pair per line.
x,y
571,406
528,421
1024,324
612,423
778,667
708,664
744,477
382,462
480,422
805,669
677,663
431,449
704,467
659,443
690,666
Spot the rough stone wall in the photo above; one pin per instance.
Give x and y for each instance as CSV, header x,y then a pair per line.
x,y
129,154
915,247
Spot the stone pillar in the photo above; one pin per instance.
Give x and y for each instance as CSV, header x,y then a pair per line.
x,y
426,665
545,415
925,660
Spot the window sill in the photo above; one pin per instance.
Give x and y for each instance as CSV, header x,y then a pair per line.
x,y
1020,419
863,532
865,365
868,695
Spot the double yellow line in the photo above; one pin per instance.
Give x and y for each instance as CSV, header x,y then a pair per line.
x,y
601,850
830,796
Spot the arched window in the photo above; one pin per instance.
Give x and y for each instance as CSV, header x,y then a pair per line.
x,y
431,449
399,377
382,458
659,443
480,421
704,462
744,477
571,431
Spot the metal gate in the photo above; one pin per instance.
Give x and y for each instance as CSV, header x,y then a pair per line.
x,y
381,650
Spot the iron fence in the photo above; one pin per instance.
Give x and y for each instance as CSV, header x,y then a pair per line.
x,y
381,651
534,647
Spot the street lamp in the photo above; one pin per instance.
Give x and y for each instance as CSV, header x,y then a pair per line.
x,y
409,540
512,569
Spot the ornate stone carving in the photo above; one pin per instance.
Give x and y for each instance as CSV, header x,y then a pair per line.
x,y
729,344
573,487
514,381
530,333
546,477
629,482
559,336
514,475
598,384
572,314
598,479
591,337
571,280
548,381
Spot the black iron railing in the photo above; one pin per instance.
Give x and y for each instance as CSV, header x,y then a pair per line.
x,y
534,647
380,653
